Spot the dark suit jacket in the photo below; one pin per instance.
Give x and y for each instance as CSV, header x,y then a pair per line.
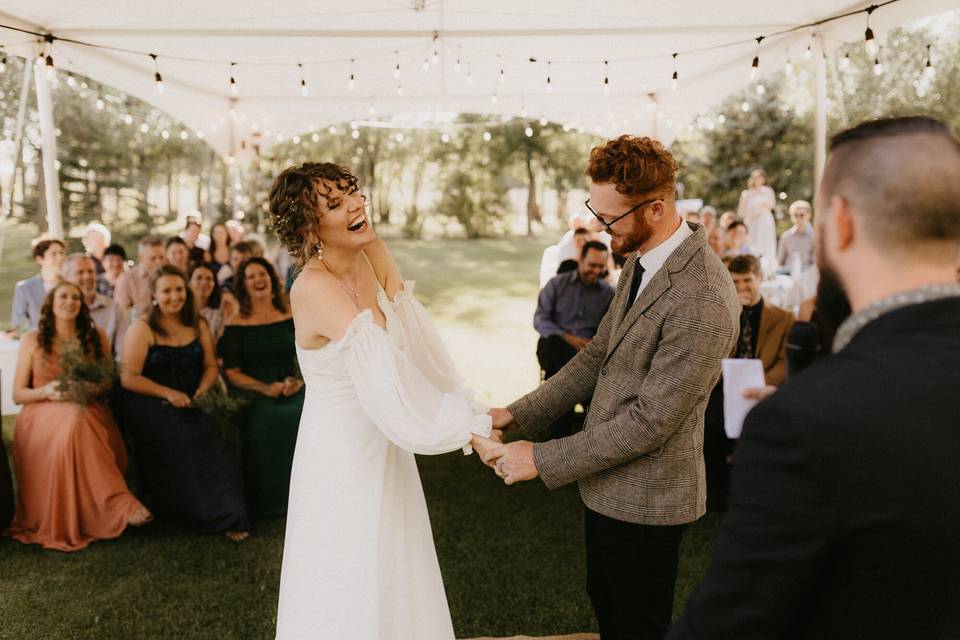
x,y
844,517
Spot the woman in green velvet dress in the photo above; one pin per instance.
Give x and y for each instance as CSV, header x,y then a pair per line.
x,y
259,359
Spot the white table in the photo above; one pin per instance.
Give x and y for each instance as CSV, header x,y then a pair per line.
x,y
8,366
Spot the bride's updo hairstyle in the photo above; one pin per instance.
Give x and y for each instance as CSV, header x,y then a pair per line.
x,y
294,199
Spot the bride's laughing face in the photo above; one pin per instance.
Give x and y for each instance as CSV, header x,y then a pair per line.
x,y
343,217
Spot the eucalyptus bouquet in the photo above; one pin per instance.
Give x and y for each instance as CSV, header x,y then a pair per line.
x,y
222,409
82,377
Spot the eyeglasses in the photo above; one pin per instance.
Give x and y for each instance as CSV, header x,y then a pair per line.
x,y
609,225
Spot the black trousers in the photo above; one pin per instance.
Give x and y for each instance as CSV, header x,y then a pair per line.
x,y
553,354
631,574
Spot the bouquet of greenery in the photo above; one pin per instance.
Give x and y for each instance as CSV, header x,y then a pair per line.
x,y
82,377
222,409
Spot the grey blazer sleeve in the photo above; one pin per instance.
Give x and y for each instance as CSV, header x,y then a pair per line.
x,y
572,384
19,313
694,338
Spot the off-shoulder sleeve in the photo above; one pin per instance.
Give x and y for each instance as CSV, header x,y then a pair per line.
x,y
404,404
230,349
425,348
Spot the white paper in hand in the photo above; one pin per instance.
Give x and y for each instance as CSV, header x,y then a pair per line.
x,y
739,374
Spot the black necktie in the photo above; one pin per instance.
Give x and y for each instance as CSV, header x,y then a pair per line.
x,y
634,285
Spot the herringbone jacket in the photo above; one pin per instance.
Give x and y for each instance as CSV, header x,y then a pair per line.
x,y
648,375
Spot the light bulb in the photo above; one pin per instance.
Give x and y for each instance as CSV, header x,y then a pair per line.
x,y
788,68
399,90
456,67
332,130
755,68
355,134
606,86
877,67
351,83
436,57
503,77
445,138
426,65
494,99
549,85
761,89
543,122
486,136
845,62
396,71
100,104
808,54
674,82
371,110
303,89
528,132
870,42
469,78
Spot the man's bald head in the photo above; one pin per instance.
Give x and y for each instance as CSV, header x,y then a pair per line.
x,y
901,178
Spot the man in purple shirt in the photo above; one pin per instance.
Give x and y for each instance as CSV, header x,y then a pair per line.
x,y
569,311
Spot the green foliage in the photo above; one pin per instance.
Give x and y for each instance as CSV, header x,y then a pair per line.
x,y
776,131
223,410
82,377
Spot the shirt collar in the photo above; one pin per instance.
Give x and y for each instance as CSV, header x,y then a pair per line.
x,y
855,323
655,258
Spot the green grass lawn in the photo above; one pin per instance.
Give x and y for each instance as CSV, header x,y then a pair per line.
x,y
166,582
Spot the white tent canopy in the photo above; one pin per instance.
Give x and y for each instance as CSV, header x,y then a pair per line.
x,y
507,49
195,42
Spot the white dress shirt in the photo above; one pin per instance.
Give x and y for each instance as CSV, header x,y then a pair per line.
x,y
654,259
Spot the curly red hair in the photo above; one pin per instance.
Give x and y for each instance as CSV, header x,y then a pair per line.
x,y
638,166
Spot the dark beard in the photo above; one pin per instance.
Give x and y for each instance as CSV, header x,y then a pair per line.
x,y
833,305
637,238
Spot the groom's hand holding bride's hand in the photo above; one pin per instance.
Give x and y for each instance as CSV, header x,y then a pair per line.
x,y
514,462
502,418
485,447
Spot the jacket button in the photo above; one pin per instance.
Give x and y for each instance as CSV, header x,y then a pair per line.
x,y
603,371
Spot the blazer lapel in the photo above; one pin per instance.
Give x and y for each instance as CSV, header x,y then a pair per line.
x,y
656,287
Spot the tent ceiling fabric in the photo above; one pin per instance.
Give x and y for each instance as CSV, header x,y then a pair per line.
x,y
268,40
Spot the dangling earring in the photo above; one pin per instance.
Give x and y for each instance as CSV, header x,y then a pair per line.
x,y
318,249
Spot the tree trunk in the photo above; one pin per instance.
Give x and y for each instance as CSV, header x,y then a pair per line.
x,y
533,212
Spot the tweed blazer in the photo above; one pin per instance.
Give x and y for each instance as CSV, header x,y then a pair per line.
x,y
648,374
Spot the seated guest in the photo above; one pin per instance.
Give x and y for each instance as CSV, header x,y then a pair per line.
x,y
708,216
69,459
109,317
189,470
176,254
114,263
96,239
737,242
764,328
717,241
726,219
569,311
256,248
239,252
214,304
236,230
798,239
844,519
219,247
197,243
132,289
29,294
259,357
581,236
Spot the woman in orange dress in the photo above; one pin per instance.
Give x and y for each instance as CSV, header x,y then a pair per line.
x,y
68,458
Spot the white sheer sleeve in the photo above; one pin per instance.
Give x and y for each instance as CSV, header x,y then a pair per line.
x,y
404,404
425,348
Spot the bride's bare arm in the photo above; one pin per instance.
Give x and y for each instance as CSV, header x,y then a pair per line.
x,y
385,267
321,310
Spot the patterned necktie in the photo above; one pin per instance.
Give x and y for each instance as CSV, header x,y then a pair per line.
x,y
744,344
634,285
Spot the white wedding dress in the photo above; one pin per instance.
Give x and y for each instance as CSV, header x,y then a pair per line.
x,y
358,560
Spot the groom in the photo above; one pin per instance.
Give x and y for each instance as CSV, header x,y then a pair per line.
x,y
647,374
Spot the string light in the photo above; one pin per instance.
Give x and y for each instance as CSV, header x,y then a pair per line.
x,y
157,78
436,52
234,90
788,67
845,62
675,79
352,82
3,59
503,77
399,89
487,137
606,78
929,72
51,70
808,54
877,67
528,132
869,41
549,83
755,65
494,99
303,82
456,67
396,67
469,75
426,65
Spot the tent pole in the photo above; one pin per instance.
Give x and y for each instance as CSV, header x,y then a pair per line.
x,y
820,123
48,142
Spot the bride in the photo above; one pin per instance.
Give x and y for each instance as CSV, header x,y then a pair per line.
x,y
358,559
